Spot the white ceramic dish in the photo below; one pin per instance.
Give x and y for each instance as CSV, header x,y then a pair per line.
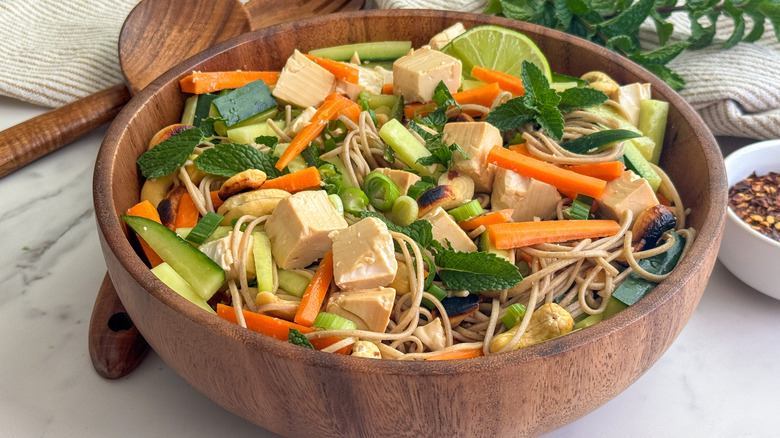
x,y
749,255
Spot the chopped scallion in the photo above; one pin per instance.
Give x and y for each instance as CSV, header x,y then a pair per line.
x,y
405,210
513,314
331,321
204,228
381,191
437,292
466,211
580,207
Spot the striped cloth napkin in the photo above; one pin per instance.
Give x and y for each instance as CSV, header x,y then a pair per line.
x,y
56,51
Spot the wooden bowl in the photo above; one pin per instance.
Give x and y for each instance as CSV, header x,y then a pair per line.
x,y
298,392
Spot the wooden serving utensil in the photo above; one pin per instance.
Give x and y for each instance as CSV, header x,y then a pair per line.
x,y
115,345
30,140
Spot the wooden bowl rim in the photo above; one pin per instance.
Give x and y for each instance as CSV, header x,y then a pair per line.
x,y
109,224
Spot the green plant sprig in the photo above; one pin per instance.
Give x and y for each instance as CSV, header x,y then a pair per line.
x,y
615,24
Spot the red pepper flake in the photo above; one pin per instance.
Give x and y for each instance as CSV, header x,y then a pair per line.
x,y
756,200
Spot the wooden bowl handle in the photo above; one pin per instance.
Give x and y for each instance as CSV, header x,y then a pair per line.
x,y
26,142
115,345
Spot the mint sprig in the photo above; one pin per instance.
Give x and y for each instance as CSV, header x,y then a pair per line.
x,y
421,231
616,25
475,271
167,156
299,339
231,158
541,104
440,152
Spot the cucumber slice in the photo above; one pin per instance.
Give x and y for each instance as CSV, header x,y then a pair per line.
x,y
652,122
247,131
406,146
637,163
167,275
376,51
297,163
377,100
339,165
245,102
486,246
196,268
635,287
292,282
264,268
203,108
188,115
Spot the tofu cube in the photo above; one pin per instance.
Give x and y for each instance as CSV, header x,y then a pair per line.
x,y
476,139
299,227
444,37
630,96
401,178
445,229
629,192
368,308
528,197
303,83
368,80
363,255
416,76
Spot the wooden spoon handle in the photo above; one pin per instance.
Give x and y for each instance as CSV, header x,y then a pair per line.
x,y
115,345
26,142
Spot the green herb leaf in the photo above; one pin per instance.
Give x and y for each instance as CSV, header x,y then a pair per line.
x,y
511,114
577,98
267,140
475,271
442,96
598,141
169,155
207,126
231,158
298,338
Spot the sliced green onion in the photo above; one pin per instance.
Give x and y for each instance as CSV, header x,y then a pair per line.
x,y
466,211
353,200
418,188
331,321
513,314
331,178
437,292
337,204
405,210
580,207
204,228
381,191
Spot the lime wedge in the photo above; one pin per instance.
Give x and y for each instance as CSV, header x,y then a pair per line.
x,y
496,48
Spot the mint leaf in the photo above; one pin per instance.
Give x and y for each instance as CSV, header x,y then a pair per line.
x,y
550,119
298,338
510,114
475,271
267,140
231,158
442,96
421,231
537,88
207,126
577,98
167,156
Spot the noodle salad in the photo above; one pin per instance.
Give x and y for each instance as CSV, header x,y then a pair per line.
x,y
450,201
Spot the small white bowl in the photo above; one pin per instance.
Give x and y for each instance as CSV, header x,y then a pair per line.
x,y
748,254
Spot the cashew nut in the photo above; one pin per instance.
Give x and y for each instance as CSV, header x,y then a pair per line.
x,y
168,132
547,322
255,203
282,309
601,81
245,181
154,190
445,196
169,206
464,183
366,349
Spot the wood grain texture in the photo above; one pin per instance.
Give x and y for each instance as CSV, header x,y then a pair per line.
x,y
24,143
522,393
265,13
115,346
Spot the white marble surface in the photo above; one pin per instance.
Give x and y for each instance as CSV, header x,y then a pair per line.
x,y
720,378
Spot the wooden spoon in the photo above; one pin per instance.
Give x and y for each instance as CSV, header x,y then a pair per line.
x,y
115,345
221,19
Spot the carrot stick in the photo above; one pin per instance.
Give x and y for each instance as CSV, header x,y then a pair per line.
x,y
308,178
520,149
565,180
518,234
496,217
387,89
275,327
483,95
216,201
147,210
330,110
187,216
208,82
312,299
457,354
606,171
504,81
352,110
341,70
